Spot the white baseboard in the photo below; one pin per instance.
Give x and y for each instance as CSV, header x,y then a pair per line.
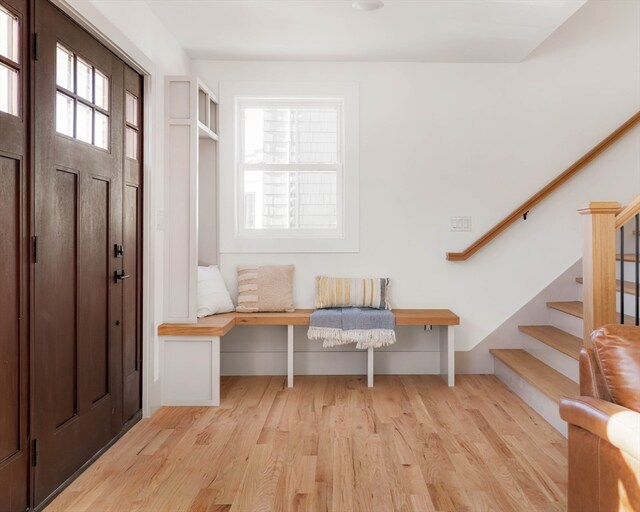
x,y
347,362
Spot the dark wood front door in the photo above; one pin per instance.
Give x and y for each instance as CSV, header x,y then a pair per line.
x,y
86,356
14,256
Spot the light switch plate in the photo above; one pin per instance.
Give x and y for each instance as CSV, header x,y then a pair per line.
x,y
460,224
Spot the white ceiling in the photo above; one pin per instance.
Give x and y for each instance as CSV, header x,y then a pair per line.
x,y
404,30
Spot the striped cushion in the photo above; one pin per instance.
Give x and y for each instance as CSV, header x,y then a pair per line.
x,y
338,292
267,288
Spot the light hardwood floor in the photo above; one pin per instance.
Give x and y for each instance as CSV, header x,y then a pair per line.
x,y
332,444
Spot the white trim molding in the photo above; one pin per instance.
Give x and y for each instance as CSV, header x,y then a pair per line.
x,y
234,239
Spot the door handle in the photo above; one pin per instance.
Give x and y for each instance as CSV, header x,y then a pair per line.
x,y
119,276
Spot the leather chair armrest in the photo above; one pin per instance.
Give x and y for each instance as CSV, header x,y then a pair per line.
x,y
613,423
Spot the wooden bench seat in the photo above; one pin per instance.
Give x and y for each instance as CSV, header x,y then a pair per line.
x,y
219,325
189,345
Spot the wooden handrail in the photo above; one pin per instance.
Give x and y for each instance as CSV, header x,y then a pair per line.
x,y
628,212
545,191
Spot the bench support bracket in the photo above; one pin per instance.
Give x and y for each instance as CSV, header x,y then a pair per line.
x,y
447,355
291,354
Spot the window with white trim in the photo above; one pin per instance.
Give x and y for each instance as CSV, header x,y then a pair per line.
x,y
289,167
290,162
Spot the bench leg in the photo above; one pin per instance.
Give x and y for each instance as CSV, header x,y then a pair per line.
x,y
215,370
370,367
290,355
447,355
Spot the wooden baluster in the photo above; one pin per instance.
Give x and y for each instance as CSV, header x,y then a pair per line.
x,y
599,266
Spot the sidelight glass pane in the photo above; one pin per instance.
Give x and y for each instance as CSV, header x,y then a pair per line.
x,y
64,68
101,130
9,91
9,35
131,109
64,114
102,90
84,122
131,143
84,79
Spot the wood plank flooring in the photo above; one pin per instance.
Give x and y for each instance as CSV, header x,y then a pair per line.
x,y
332,444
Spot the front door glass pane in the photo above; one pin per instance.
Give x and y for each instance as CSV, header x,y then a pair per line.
x,y
9,35
84,122
102,90
9,92
64,68
101,130
85,80
64,114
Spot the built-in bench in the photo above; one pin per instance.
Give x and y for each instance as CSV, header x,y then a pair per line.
x,y
189,348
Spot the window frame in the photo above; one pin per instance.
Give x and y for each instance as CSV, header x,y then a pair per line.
x,y
235,239
242,167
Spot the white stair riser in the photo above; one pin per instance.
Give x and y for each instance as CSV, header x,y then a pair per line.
x,y
569,323
629,304
629,271
532,396
566,365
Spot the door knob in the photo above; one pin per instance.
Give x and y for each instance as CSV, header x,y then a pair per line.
x,y
119,276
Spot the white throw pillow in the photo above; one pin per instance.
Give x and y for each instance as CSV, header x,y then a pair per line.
x,y
213,296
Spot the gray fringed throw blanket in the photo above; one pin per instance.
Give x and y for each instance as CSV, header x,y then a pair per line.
x,y
368,328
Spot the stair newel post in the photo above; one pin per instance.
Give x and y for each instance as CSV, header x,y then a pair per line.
x,y
599,265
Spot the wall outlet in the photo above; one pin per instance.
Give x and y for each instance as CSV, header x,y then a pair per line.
x,y
460,224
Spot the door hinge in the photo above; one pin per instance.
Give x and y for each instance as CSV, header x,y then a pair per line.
x,y
34,453
34,247
35,46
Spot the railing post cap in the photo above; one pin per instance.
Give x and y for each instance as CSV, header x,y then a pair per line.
x,y
601,207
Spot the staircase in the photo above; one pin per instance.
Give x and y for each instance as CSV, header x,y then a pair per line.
x,y
546,368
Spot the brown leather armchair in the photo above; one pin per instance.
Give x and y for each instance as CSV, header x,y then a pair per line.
x,y
604,424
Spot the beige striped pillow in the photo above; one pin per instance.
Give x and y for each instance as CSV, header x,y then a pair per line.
x,y
340,292
265,288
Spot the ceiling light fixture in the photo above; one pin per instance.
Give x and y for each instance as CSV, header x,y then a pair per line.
x,y
367,5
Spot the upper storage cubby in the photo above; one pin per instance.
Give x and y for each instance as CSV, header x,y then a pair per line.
x,y
207,113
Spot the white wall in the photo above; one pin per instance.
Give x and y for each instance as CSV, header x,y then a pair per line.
x,y
138,33
438,140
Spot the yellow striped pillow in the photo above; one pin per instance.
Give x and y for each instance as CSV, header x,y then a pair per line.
x,y
341,292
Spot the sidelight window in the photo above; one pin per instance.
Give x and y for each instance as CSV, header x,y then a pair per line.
x,y
132,126
82,102
9,62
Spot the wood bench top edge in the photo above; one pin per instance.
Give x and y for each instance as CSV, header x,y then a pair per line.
x,y
219,325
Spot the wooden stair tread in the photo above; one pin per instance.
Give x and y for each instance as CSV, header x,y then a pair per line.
x,y
574,308
562,341
627,257
629,287
571,307
549,381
